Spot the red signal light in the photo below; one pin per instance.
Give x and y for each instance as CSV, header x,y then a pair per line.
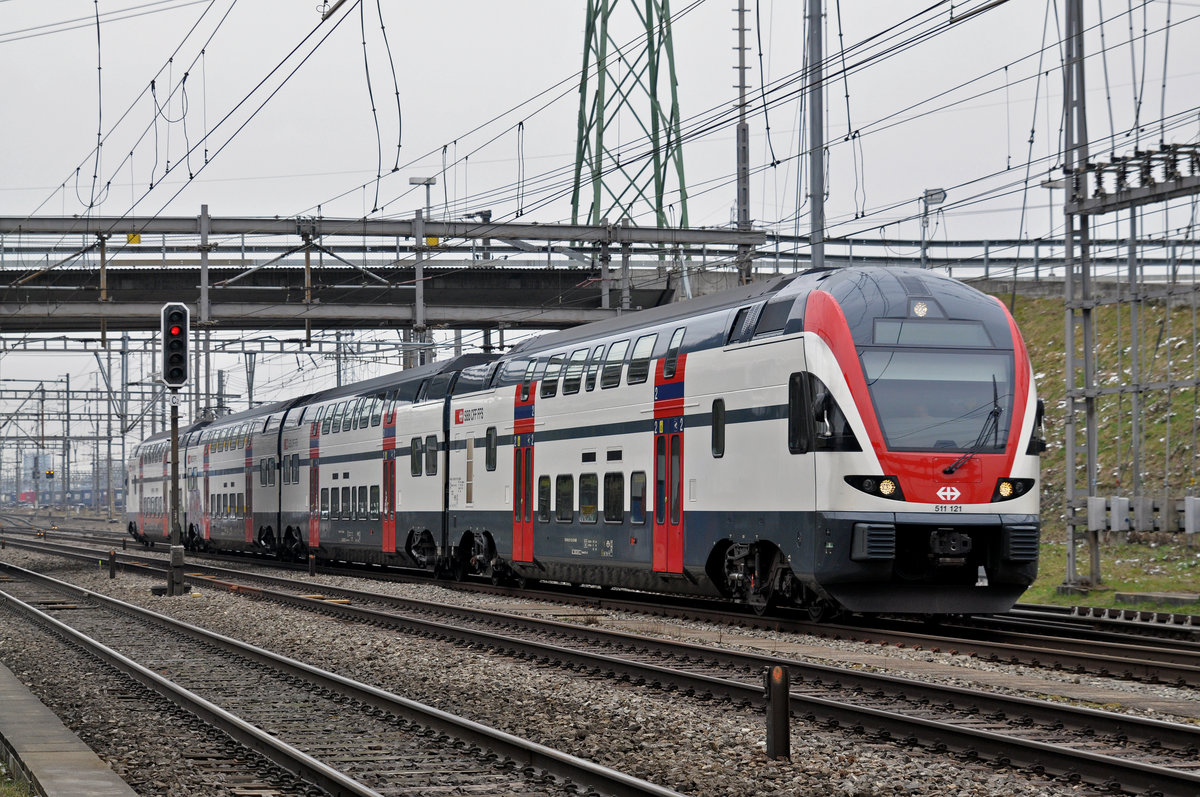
x,y
176,330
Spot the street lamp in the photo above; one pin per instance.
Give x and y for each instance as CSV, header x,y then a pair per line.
x,y
931,198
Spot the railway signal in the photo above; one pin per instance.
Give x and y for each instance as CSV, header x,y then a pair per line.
x,y
175,318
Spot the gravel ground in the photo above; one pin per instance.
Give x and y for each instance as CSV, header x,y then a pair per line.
x,y
688,745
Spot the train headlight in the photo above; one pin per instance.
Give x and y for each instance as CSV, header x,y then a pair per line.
x,y
1008,489
878,486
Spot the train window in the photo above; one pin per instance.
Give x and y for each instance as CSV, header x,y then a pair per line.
x,y
672,360
492,439
611,376
774,317
376,410
718,428
614,497
593,367
362,504
241,505
295,468
415,457
564,499
573,375
660,479
271,471
325,418
337,412
364,413
527,379
639,363
589,497
544,499
800,414
352,414
431,452
224,504
637,497
324,503
262,473
347,504
374,502
335,503
550,380
389,405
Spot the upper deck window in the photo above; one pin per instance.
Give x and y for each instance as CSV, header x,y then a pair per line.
x,y
611,375
573,375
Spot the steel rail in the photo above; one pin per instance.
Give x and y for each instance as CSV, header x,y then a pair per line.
x,y
285,756
604,780
1039,756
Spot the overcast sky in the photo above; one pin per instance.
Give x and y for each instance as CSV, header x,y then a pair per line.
x,y
934,104
953,109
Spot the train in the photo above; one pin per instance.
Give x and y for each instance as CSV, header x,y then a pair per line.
x,y
845,440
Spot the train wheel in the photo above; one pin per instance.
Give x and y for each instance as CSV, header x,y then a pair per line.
x,y
819,611
762,607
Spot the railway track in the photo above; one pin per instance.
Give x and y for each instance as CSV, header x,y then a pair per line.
x,y
342,736
1057,641
1104,749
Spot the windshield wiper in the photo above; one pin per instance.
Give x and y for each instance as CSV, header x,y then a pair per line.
x,y
991,425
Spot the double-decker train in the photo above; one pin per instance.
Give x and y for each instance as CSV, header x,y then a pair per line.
x,y
855,439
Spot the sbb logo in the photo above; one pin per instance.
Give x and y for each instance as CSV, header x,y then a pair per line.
x,y
948,493
466,416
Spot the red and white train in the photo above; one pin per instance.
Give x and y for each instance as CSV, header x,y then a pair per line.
x,y
855,439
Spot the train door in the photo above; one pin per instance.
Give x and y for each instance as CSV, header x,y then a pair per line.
x,y
314,485
388,504
166,492
667,537
668,495
206,498
523,471
247,441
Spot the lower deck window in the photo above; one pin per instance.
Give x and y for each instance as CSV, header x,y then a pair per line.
x,y
564,499
614,497
589,497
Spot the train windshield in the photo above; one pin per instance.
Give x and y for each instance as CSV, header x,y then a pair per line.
x,y
940,400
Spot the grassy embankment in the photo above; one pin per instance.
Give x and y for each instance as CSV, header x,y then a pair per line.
x,y
1170,455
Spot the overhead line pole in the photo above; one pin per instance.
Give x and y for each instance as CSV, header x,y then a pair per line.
x,y
816,135
744,260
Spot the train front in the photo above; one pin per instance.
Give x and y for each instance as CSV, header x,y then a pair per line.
x,y
928,498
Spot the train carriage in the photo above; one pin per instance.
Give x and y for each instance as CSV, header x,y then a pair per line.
x,y
861,439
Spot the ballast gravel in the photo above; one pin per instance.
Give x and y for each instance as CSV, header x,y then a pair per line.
x,y
689,745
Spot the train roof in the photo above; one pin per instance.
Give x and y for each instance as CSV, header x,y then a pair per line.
x,y
654,316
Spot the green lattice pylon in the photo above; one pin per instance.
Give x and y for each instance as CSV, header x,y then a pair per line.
x,y
619,172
